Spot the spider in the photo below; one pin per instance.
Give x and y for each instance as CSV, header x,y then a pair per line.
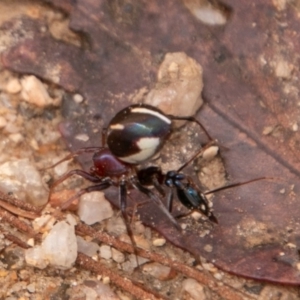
x,y
134,135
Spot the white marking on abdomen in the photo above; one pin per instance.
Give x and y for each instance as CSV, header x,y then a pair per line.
x,y
151,112
117,126
148,147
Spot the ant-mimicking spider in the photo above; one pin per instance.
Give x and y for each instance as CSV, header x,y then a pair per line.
x,y
134,135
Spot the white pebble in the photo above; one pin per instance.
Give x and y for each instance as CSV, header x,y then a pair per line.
x,y
106,280
129,265
209,15
59,249
61,168
103,290
117,256
77,98
71,219
43,224
193,288
16,137
208,248
105,251
196,215
34,144
210,153
21,177
34,92
159,242
157,270
283,69
295,127
93,208
30,242
82,137
13,86
31,287
179,85
218,276
88,248
35,257
116,226
3,122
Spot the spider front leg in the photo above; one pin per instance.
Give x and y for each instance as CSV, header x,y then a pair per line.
x,y
123,206
153,176
98,187
75,154
88,176
137,185
192,119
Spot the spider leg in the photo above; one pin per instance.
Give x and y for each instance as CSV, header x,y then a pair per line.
x,y
76,153
157,185
156,199
170,200
192,119
98,187
78,172
123,205
104,136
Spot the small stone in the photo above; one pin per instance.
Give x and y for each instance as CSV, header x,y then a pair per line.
x,y
43,224
105,252
280,5
3,122
93,208
117,256
268,130
193,288
295,127
59,249
77,98
218,276
159,242
157,270
20,177
196,215
30,242
82,137
16,137
13,86
103,290
179,85
129,265
210,153
141,242
71,219
208,248
106,280
206,13
31,287
34,92
283,69
35,257
116,226
88,248
34,144
291,245
183,226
